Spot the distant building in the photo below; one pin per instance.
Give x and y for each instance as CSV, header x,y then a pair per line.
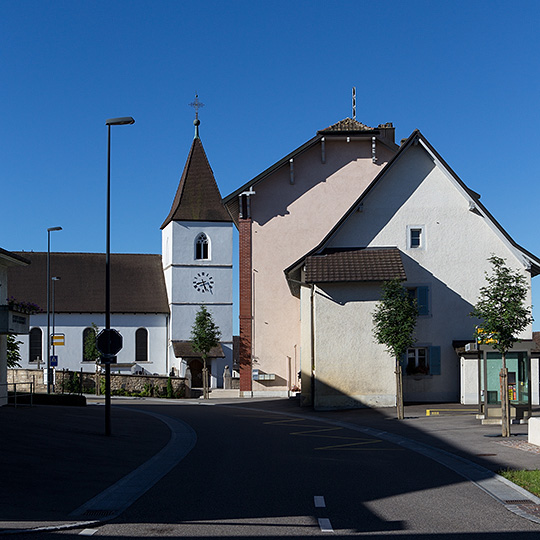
x,y
7,325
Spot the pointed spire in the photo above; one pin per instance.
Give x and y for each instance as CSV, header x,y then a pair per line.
x,y
196,104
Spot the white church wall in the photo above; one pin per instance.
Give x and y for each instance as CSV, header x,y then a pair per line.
x,y
451,261
70,356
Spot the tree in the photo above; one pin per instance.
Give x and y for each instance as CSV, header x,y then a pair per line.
x,y
394,321
504,315
205,335
13,353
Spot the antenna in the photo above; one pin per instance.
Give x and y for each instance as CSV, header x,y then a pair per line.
x,y
354,102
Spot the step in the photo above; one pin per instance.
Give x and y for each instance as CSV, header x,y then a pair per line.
x,y
221,393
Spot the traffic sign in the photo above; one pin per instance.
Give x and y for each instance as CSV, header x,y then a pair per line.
x,y
54,360
109,342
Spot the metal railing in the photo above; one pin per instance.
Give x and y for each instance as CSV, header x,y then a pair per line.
x,y
14,393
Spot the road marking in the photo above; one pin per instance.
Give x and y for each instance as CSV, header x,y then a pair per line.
x,y
354,446
88,532
319,501
325,525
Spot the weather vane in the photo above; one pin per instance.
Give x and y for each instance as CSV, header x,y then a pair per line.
x,y
196,104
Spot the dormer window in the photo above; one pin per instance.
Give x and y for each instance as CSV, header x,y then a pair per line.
x,y
202,247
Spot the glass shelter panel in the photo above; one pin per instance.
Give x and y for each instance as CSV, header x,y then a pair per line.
x,y
518,377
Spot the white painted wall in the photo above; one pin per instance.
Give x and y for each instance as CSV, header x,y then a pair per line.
x,y
73,325
181,270
453,262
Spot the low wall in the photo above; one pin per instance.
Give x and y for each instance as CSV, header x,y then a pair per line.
x,y
92,383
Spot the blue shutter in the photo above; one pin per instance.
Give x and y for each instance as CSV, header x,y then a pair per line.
x,y
423,300
403,360
435,360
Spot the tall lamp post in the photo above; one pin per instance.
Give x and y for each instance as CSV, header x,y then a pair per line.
x,y
125,120
49,374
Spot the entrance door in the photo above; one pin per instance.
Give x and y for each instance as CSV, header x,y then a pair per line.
x,y
195,367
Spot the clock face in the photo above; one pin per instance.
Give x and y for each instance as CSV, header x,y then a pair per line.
x,y
203,282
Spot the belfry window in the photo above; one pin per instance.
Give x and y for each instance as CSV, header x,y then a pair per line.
x,y
202,245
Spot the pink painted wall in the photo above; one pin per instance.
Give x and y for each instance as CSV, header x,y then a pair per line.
x,y
288,221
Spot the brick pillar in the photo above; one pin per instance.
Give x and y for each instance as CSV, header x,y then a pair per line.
x,y
246,306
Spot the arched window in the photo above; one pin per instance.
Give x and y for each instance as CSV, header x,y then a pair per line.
x,y
202,247
36,347
87,349
141,345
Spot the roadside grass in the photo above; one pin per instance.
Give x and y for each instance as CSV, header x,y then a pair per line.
x,y
529,480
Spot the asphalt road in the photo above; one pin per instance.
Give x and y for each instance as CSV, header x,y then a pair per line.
x,y
258,474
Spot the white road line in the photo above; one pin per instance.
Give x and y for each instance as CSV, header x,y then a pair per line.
x,y
88,532
319,501
325,525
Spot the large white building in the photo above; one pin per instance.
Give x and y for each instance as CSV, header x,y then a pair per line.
x,y
154,298
323,228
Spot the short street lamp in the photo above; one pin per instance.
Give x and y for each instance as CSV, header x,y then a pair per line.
x,y
125,120
49,373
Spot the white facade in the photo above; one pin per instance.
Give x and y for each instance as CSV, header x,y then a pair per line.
x,y
446,255
72,326
193,280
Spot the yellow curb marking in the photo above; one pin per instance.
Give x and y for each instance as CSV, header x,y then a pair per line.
x,y
436,412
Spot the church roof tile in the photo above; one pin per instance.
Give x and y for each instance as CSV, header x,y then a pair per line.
x,y
197,197
137,282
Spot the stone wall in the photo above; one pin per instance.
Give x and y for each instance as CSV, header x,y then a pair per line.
x,y
70,382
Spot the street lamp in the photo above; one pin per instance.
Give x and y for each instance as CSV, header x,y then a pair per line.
x,y
49,377
54,280
125,120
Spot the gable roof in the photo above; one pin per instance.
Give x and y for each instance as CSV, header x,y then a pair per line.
x,y
340,130
197,197
359,265
137,282
529,260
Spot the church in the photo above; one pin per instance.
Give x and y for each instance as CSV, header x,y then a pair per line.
x,y
154,298
319,232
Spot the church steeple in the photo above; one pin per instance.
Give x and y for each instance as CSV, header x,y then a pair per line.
x,y
197,197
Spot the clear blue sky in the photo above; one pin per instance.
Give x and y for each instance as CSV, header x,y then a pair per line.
x,y
466,73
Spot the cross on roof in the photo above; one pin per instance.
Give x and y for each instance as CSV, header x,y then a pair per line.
x,y
196,104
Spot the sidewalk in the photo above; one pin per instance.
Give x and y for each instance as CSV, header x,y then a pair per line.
x,y
58,458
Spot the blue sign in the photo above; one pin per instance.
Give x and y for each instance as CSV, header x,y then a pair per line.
x,y
54,361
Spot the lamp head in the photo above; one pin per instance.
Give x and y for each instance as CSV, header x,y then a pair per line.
x,y
122,121
54,229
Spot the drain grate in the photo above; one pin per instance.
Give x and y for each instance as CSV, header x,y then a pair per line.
x,y
99,513
519,501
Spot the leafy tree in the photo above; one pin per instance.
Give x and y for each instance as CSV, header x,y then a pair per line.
x,y
504,315
394,321
205,335
13,353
